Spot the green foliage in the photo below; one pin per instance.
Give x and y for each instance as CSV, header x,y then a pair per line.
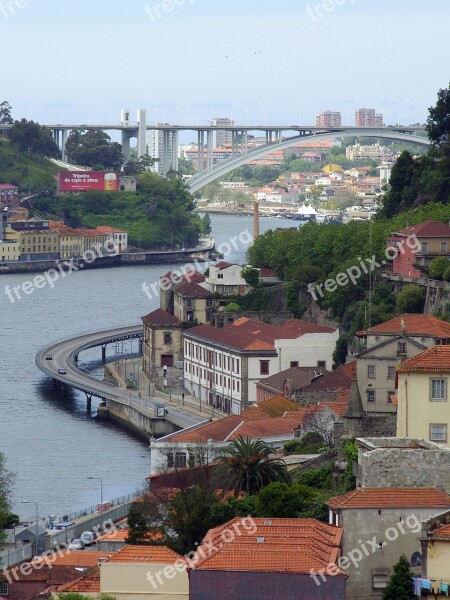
x,y
77,596
447,274
438,122
145,518
28,136
400,582
320,479
281,500
350,450
232,307
159,215
135,166
6,482
340,351
250,276
205,224
94,147
311,443
438,266
221,512
248,465
29,171
411,299
5,113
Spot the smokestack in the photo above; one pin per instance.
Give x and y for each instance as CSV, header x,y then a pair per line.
x,y
255,221
3,223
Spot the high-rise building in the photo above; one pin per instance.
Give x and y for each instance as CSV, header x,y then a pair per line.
x,y
328,118
221,137
367,117
156,149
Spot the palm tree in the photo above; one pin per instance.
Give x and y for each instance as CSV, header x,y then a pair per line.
x,y
248,465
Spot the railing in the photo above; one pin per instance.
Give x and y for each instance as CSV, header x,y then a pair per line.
x,y
93,509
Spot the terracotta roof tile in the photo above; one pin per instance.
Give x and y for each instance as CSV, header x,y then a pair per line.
x,y
390,498
193,290
413,324
301,377
145,554
224,265
442,533
76,558
426,229
433,360
270,545
88,584
339,380
160,317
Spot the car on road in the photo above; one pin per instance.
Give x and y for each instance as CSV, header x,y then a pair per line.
x,y
76,544
48,357
62,371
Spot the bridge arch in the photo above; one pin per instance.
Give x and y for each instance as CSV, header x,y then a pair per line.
x,y
199,180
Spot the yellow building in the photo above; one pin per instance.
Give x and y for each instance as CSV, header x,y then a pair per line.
x,y
71,241
9,250
435,540
36,243
423,409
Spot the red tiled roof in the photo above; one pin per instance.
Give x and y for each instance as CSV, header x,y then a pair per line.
x,y
160,317
88,584
433,360
109,229
442,533
426,229
145,554
339,380
266,272
300,376
8,186
301,327
190,276
412,324
391,498
223,265
193,290
75,558
270,545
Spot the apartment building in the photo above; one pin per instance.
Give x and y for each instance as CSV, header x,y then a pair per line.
x,y
328,118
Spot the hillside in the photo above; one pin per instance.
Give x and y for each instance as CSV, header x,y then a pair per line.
x,y
30,172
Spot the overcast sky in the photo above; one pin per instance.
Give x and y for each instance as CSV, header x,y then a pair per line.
x,y
65,61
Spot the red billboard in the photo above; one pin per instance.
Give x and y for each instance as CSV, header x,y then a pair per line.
x,y
83,181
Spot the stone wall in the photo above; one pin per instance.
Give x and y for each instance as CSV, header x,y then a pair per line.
x,y
401,467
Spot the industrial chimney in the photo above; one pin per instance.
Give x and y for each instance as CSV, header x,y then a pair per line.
x,y
255,221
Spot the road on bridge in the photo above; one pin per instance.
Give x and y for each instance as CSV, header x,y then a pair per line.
x,y
63,356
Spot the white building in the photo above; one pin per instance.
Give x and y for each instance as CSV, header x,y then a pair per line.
x,y
225,278
155,143
222,366
222,137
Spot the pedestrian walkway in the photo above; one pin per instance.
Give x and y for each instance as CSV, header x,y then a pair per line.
x,y
175,394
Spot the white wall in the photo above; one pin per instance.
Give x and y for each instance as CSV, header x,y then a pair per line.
x,y
307,350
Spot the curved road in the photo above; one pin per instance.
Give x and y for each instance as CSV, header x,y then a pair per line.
x,y
63,356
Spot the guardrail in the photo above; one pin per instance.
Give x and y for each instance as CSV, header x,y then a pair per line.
x,y
92,509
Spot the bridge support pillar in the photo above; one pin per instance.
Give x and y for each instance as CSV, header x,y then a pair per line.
x,y
75,358
103,352
126,136
201,151
140,345
64,135
142,132
88,402
209,155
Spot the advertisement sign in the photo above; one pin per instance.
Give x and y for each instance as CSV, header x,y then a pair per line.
x,y
83,181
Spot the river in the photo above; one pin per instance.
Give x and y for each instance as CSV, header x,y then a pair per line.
x,y
49,441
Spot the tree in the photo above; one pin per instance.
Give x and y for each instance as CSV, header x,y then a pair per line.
x,y
6,481
93,147
5,113
340,351
139,165
28,136
232,307
403,185
438,266
205,223
400,583
248,465
322,422
250,276
438,122
146,518
411,299
447,274
281,500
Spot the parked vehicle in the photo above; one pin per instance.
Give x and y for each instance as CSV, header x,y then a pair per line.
x,y
87,537
76,544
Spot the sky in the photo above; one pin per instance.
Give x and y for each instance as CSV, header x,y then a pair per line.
x,y
255,61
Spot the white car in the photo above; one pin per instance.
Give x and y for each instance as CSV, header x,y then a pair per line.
x,y
76,544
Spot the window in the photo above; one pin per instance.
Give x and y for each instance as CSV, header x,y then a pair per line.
x,y
389,396
443,246
294,363
322,364
167,338
179,462
438,432
371,396
237,386
263,367
209,303
424,247
391,373
219,275
438,390
371,371
189,303
380,580
401,348
237,365
3,588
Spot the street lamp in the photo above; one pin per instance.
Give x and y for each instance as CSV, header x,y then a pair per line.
x,y
152,442
101,490
36,532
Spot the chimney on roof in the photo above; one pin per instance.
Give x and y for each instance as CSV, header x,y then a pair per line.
x,y
402,326
407,222
255,221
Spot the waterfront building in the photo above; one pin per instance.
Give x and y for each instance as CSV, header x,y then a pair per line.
x,y
162,341
225,278
222,366
36,243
